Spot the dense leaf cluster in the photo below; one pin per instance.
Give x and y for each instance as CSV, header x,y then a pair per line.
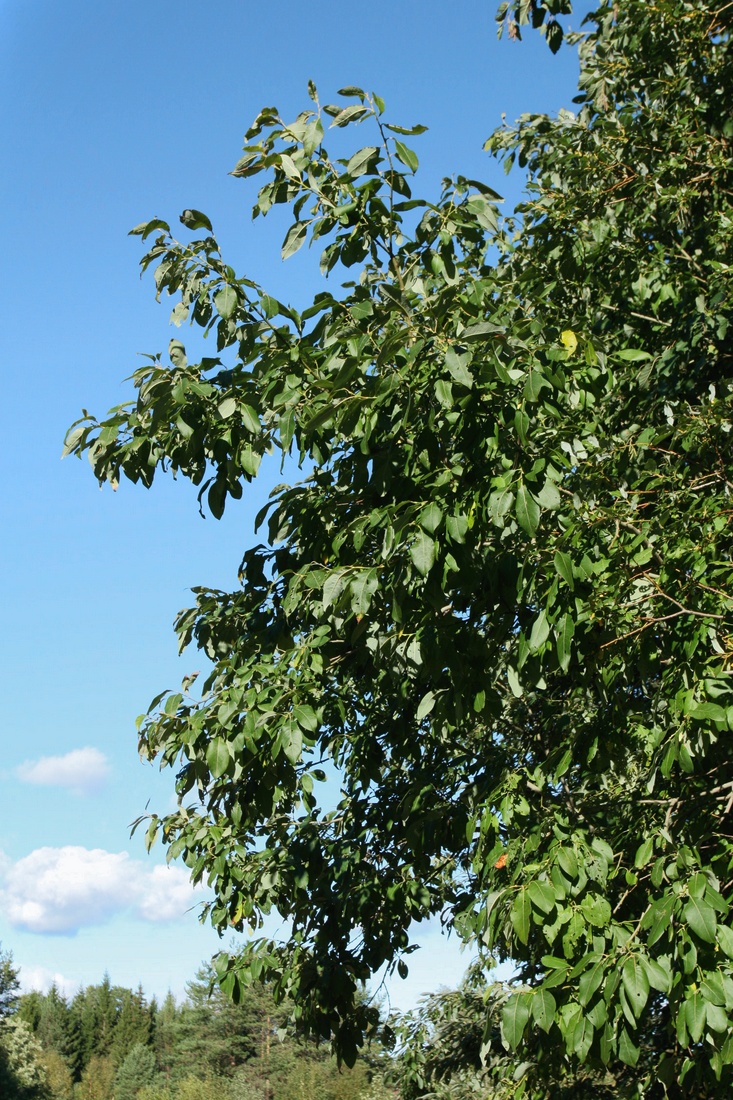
x,y
498,607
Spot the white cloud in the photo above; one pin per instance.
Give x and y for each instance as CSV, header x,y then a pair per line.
x,y
168,894
40,979
60,890
83,771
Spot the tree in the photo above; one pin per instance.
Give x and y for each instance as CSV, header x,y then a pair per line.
x,y
446,1049
9,984
452,1048
247,1048
213,1035
134,1024
165,1033
499,602
137,1071
97,1080
22,1073
59,1079
54,1026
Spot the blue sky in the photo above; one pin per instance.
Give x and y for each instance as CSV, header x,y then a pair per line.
x,y
113,114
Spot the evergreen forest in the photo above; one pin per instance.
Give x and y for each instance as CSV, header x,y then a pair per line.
x,y
108,1042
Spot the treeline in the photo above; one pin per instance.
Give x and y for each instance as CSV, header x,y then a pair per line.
x,y
108,1042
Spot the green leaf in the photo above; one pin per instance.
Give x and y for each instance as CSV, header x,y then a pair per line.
x,y
73,437
294,239
270,306
590,981
479,331
708,712
306,717
361,160
426,706
177,354
287,429
514,1018
363,586
487,217
658,918
527,510
407,156
636,984
250,419
564,633
697,885
457,528
542,895
695,1015
717,1019
422,553
457,365
514,684
701,919
549,496
628,1051
597,910
552,962
581,1039
540,632
658,972
633,355
354,113
194,219
144,229
249,460
644,853
520,915
333,587
216,498
534,385
291,739
444,393
430,518
554,35
499,504
225,301
406,131
543,1009
217,756
725,939
568,860
564,568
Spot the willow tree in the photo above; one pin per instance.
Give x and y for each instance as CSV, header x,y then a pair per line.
x,y
497,606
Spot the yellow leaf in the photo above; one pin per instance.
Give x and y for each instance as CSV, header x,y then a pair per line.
x,y
569,339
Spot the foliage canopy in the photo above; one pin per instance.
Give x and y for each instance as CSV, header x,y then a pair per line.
x,y
499,603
